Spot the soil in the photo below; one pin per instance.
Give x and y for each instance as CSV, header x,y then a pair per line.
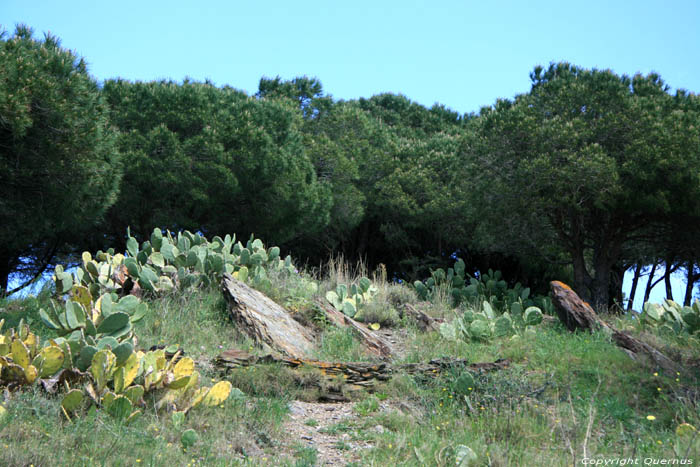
x,y
309,424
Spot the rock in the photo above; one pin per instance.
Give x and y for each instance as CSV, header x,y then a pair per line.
x,y
265,321
296,410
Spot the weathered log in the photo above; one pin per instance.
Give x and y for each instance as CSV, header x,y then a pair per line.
x,y
270,325
425,321
355,373
577,314
372,342
572,311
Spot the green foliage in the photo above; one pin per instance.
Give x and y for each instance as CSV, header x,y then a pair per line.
x,y
225,162
188,438
59,168
486,324
582,154
672,318
350,300
488,287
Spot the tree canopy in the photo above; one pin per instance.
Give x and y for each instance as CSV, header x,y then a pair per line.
x,y
584,176
584,163
211,159
59,166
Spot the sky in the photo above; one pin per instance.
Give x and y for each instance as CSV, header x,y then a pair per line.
x,y
462,54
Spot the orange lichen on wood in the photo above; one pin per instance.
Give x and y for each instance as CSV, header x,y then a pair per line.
x,y
562,285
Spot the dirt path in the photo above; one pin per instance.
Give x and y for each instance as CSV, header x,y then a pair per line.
x,y
329,428
320,426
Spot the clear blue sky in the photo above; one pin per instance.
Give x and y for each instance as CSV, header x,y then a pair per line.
x,y
463,54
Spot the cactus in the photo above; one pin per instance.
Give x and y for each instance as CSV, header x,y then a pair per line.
x,y
672,318
488,286
485,324
350,300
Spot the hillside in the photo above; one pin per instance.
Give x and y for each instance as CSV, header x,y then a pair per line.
x,y
556,397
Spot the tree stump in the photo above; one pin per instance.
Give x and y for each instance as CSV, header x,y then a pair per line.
x,y
572,311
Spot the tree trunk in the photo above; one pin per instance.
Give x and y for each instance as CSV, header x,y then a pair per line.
x,y
582,280
617,277
633,291
650,282
690,283
4,272
600,293
667,278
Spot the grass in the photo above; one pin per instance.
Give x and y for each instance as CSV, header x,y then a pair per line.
x,y
564,396
34,433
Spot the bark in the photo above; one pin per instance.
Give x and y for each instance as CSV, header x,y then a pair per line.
x,y
265,321
633,290
572,311
577,314
667,279
582,280
605,256
617,275
690,283
4,272
600,295
650,282
361,374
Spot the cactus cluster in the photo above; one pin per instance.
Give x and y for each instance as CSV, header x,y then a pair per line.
x,y
349,300
488,286
94,321
169,261
112,374
118,381
672,318
23,360
484,324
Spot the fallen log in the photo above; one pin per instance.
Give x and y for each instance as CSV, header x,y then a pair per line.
x,y
372,342
574,313
355,373
270,325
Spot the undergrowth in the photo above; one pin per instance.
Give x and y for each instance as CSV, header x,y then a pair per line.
x,y
562,398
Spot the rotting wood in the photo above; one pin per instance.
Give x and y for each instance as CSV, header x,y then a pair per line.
x,y
372,342
355,373
577,314
572,311
266,322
